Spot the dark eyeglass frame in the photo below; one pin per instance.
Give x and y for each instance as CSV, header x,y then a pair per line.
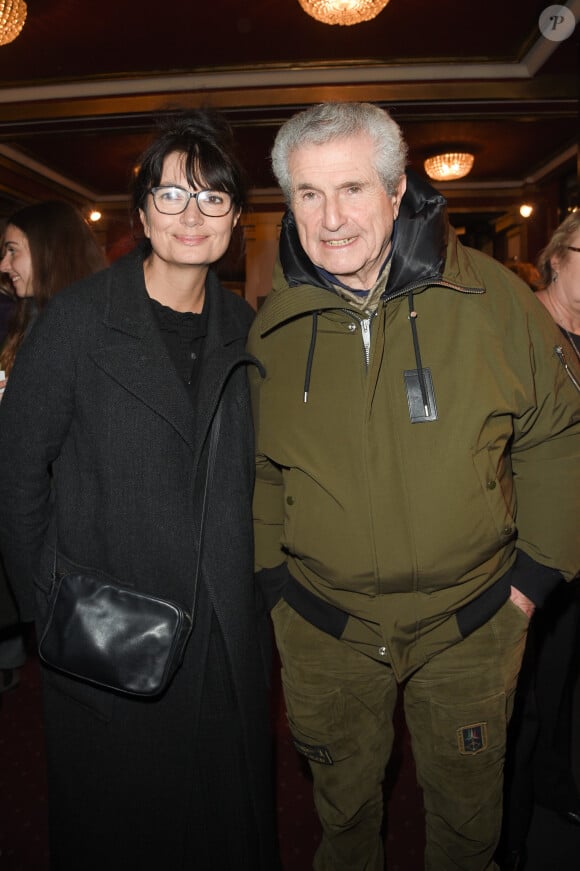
x,y
572,248
190,196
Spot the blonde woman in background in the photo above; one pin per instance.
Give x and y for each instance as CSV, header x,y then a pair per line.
x,y
539,767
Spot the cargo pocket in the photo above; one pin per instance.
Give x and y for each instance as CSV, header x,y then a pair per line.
x,y
318,723
470,729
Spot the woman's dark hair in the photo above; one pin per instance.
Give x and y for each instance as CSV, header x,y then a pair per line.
x,y
205,139
63,249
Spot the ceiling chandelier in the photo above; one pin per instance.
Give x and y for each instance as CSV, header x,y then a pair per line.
x,y
12,18
450,166
343,11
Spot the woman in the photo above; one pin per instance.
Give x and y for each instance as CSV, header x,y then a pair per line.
x,y
33,245
116,389
559,266
539,763
45,247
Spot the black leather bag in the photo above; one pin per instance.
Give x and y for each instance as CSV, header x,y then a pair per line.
x,y
114,636
111,635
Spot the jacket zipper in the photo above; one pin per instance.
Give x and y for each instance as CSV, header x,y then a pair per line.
x,y
418,285
365,322
559,350
365,328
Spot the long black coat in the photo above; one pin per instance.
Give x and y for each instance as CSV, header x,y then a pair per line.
x,y
95,397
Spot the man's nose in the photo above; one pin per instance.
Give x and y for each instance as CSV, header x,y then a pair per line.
x,y
333,213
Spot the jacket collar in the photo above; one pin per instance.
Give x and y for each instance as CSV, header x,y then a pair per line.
x,y
135,355
421,243
128,308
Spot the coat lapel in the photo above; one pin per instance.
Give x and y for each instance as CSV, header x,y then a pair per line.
x,y
133,352
223,352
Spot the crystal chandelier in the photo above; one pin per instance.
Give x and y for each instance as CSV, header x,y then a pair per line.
x,y
12,18
448,167
343,11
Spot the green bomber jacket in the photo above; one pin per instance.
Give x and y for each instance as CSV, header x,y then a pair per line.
x,y
410,469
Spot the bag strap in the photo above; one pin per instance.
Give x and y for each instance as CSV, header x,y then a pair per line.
x,y
213,440
214,434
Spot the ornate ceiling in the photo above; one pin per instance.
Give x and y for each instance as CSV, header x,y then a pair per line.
x,y
82,86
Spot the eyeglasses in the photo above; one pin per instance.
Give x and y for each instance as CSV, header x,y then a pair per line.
x,y
170,199
572,248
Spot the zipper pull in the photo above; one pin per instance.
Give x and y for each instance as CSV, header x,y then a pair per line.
x,y
365,326
559,351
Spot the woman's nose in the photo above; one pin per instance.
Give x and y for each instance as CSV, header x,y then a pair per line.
x,y
192,213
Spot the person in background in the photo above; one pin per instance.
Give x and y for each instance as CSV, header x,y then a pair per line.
x,y
405,525
539,766
116,389
526,271
45,247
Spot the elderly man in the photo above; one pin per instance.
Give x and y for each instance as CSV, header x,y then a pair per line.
x,y
418,481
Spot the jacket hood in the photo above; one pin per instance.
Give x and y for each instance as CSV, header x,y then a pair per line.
x,y
419,246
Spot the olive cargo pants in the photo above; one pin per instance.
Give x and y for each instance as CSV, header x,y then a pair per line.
x,y
340,707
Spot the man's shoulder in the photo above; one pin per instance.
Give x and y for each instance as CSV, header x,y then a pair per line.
x,y
473,268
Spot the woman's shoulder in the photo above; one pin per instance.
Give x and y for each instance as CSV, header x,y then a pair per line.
x,y
94,288
236,307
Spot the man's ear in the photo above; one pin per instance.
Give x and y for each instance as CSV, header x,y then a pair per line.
x,y
399,194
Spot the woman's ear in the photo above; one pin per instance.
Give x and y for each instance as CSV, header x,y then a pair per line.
x,y
555,264
144,222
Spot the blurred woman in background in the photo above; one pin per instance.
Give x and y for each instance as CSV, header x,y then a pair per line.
x,y
44,247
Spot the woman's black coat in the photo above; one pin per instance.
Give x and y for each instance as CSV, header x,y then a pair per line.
x,y
94,397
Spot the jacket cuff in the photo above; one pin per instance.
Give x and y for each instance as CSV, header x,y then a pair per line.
x,y
272,582
533,579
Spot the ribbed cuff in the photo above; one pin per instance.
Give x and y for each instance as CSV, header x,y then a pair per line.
x,y
533,579
272,582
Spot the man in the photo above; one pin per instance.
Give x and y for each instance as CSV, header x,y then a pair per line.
x,y
418,441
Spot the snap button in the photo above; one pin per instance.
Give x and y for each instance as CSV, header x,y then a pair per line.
x,y
507,530
491,485
290,500
382,651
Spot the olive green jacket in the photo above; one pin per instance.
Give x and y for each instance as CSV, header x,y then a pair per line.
x,y
413,524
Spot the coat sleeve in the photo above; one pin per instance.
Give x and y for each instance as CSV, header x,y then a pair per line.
x,y
546,462
35,414
268,507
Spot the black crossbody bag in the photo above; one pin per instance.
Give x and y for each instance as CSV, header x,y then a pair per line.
x,y
112,636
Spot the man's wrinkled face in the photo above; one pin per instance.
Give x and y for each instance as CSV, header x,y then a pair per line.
x,y
344,216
